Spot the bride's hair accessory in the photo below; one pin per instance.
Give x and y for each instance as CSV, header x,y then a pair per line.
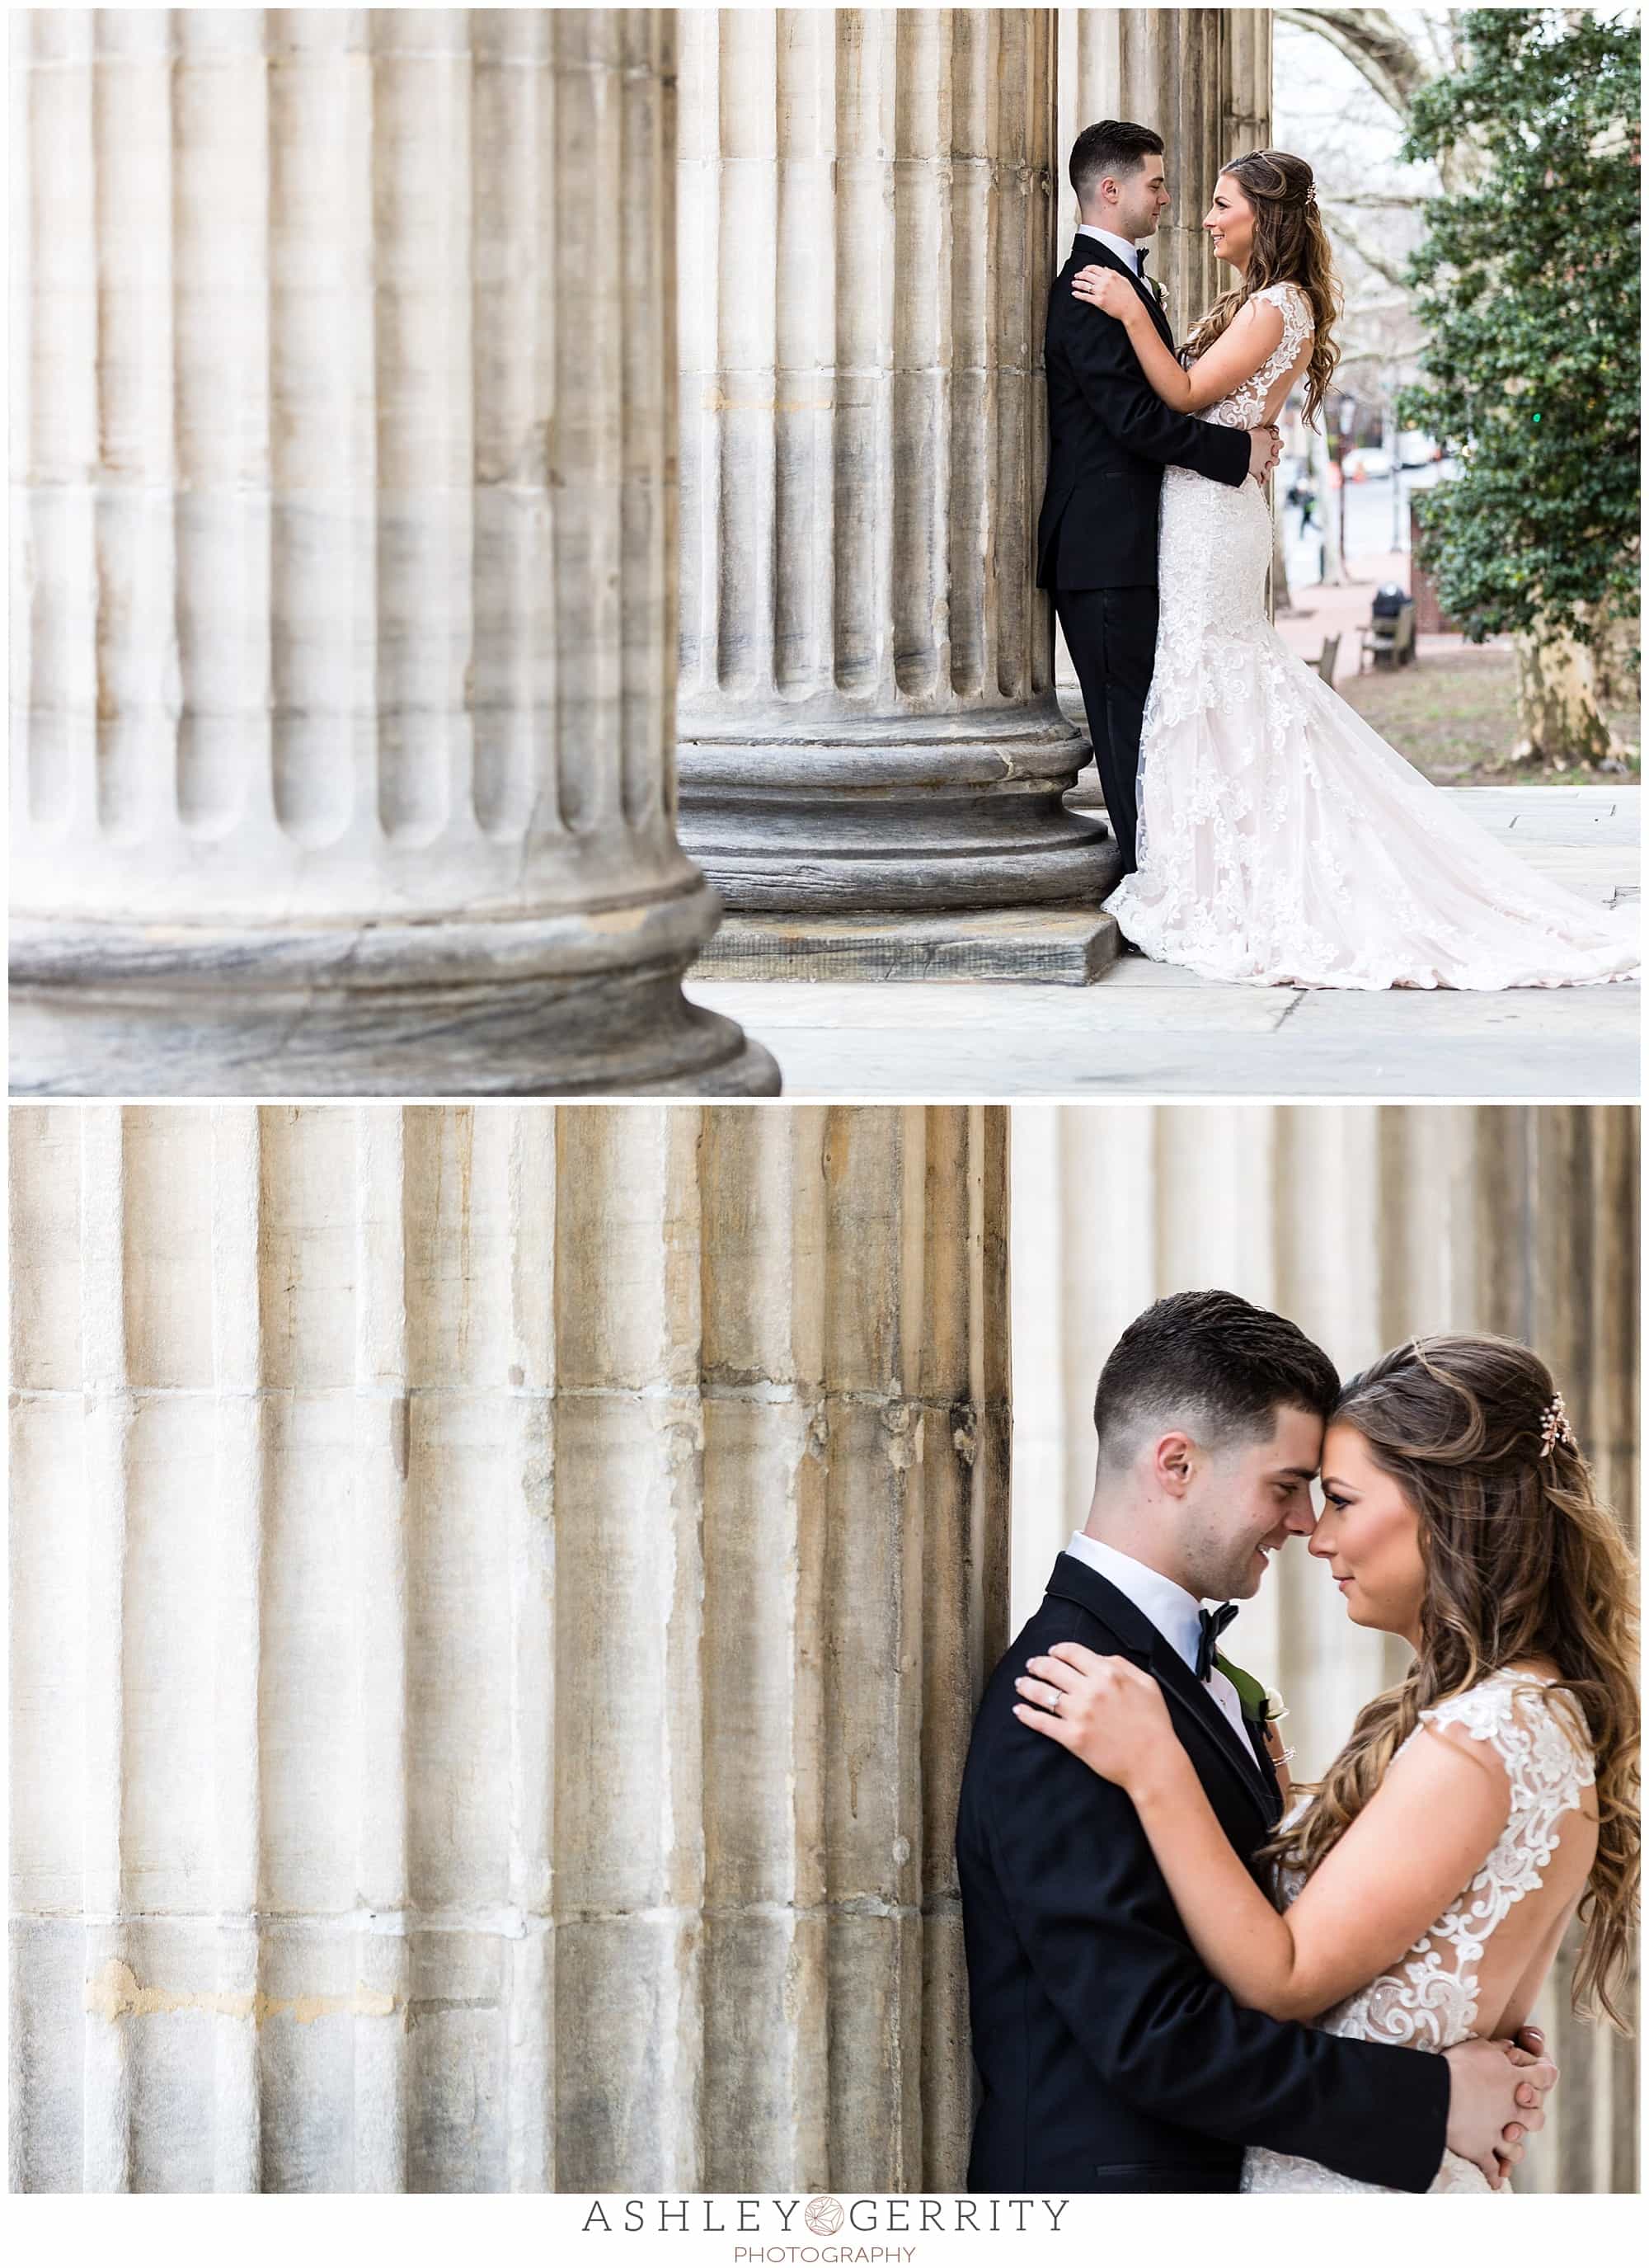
x,y
1279,185
1554,1427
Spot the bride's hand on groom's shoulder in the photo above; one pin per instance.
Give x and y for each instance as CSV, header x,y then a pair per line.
x,y
1103,1710
1104,289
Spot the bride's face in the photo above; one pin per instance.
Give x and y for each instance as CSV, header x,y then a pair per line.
x,y
1229,222
1368,1535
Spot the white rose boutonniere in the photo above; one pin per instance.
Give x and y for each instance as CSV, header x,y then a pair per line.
x,y
1276,1710
1262,1705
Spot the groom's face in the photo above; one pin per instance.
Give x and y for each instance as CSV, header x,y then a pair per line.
x,y
1246,1500
1142,198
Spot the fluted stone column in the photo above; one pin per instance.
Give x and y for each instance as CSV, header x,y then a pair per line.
x,y
1366,1225
1200,77
1246,82
345,582
499,1598
1557,1221
867,718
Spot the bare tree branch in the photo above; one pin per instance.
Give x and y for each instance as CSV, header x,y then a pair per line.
x,y
1396,67
1358,350
1370,39
1370,309
1377,199
1383,264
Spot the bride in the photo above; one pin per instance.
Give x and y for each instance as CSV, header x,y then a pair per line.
x,y
1422,1889
1281,840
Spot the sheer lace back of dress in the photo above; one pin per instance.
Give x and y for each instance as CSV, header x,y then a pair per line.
x,y
1429,2000
1245,409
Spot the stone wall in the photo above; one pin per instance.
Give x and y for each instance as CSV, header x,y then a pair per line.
x,y
499,1598
1365,1226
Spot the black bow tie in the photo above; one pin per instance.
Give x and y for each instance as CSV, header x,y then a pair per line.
x,y
1208,1629
1140,251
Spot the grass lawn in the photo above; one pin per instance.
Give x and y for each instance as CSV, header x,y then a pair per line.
x,y
1454,715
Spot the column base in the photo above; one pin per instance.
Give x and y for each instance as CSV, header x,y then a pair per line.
x,y
1034,944
564,1004
916,815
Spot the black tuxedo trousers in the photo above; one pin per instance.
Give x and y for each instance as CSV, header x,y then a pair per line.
x,y
1109,2060
1112,635
1108,438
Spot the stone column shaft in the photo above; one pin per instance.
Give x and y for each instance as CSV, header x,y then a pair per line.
x,y
499,1598
1366,1225
867,710
346,582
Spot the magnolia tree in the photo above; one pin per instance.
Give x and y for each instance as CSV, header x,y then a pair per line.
x,y
1527,284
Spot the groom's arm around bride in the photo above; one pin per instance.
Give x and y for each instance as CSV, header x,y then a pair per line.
x,y
1111,2059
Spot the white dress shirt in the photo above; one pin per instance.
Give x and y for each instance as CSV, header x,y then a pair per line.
x,y
1127,253
1168,1608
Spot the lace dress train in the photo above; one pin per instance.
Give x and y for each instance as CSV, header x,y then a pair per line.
x,y
1281,840
1429,1999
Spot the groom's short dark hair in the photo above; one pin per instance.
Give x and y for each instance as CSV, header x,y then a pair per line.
x,y
1113,147
1213,1364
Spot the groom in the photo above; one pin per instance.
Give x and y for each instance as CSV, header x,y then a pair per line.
x,y
1109,438
1110,2059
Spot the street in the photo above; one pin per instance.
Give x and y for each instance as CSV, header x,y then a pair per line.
x,y
1376,521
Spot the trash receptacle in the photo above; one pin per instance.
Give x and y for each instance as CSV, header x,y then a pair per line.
x,y
1391,627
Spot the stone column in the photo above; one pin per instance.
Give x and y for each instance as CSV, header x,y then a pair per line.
x,y
1365,1226
1245,79
346,583
498,1599
1558,1222
867,718
1200,77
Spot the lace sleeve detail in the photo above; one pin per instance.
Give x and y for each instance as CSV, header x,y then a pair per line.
x,y
1295,308
1536,1734
1539,1738
1242,407
1429,1999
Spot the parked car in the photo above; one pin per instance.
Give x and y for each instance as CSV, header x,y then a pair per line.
x,y
1366,465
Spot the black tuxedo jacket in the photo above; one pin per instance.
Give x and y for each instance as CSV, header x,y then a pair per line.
x,y
1109,2057
1109,438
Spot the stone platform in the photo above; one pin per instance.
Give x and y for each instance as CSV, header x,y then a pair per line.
x,y
1021,946
1152,1030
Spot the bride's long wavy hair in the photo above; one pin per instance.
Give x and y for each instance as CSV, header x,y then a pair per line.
x,y
1289,248
1522,1563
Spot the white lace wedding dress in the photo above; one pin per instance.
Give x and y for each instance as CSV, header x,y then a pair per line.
x,y
1281,840
1429,1999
